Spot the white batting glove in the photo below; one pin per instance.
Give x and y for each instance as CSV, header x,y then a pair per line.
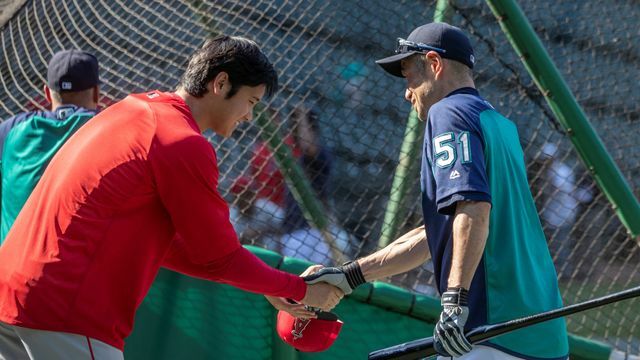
x,y
448,335
346,277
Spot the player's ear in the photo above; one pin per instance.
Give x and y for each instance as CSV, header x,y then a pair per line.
x,y
434,63
47,94
220,84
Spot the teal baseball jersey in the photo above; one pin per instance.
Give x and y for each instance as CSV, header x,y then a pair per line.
x,y
473,153
28,141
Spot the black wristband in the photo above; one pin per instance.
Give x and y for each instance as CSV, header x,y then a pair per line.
x,y
455,296
353,273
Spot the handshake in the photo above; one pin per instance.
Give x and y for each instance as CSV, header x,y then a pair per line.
x,y
310,326
325,288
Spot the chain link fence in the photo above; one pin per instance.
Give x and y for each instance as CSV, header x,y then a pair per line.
x,y
344,119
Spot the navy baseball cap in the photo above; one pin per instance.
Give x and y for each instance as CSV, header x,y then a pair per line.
x,y
447,40
72,70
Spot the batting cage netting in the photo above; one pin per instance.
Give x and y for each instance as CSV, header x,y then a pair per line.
x,y
343,120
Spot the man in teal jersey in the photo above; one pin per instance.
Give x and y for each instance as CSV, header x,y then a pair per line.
x,y
29,140
490,256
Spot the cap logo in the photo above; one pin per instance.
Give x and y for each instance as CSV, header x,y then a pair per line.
x,y
472,59
298,327
66,85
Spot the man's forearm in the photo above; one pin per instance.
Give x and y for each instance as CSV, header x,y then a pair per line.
x,y
405,253
470,231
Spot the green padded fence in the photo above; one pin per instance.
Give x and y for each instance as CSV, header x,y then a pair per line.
x,y
187,318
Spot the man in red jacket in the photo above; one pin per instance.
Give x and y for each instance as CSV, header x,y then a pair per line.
x,y
133,190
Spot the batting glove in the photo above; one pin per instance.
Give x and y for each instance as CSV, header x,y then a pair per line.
x,y
346,277
448,335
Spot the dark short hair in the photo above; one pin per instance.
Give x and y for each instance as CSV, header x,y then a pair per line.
x,y
239,57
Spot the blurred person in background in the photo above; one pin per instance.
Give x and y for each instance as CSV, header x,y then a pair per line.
x,y
29,140
264,173
316,160
563,200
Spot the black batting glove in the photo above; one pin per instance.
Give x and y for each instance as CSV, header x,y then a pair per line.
x,y
448,335
346,277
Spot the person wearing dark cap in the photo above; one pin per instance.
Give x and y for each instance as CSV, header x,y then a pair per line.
x,y
29,140
481,227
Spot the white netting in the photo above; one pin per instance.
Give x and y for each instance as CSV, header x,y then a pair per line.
x,y
324,53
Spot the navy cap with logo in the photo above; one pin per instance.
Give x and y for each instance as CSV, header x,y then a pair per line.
x,y
447,40
72,70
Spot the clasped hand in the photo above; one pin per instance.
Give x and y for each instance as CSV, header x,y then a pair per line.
x,y
325,288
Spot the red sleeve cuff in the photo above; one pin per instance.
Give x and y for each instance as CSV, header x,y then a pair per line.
x,y
300,289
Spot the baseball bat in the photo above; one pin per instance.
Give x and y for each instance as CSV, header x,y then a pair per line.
x,y
420,348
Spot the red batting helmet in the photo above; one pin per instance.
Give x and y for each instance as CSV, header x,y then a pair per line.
x,y
309,335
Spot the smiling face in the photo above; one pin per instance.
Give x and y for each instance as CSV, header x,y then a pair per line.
x,y
421,82
237,108
224,112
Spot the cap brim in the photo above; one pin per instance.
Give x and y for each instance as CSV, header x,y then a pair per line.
x,y
391,64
